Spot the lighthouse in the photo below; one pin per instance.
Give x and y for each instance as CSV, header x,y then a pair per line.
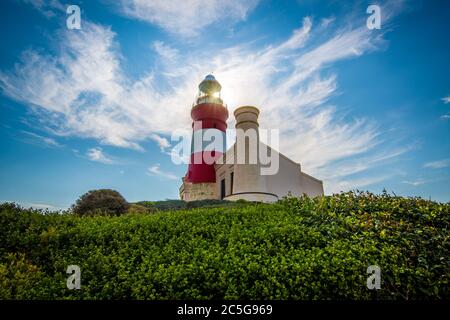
x,y
217,173
209,118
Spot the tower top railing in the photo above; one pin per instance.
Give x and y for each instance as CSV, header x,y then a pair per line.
x,y
223,104
209,99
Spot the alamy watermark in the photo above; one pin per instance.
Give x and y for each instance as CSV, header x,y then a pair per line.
x,y
74,280
374,20
209,146
74,19
374,280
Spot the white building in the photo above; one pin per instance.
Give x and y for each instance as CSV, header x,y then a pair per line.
x,y
245,181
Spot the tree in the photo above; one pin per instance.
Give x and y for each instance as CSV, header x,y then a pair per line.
x,y
103,201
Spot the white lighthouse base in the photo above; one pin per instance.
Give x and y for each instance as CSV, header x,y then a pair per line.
x,y
252,196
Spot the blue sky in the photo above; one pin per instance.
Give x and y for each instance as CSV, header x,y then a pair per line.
x,y
95,108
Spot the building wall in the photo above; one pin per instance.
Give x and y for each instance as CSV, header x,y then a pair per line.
x,y
250,185
247,183
286,180
313,186
224,172
290,179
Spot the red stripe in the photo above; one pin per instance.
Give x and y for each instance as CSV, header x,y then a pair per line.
x,y
202,172
209,111
209,124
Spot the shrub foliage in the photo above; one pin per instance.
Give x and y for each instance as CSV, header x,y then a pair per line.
x,y
298,248
165,205
102,201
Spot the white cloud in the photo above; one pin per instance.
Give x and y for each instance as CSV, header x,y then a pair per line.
x,y
156,171
437,164
82,91
186,17
446,99
97,155
163,143
79,91
445,117
165,51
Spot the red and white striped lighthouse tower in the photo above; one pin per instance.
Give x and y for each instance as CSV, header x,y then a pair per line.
x,y
209,116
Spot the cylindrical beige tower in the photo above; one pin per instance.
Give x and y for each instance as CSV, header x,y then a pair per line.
x,y
248,182
246,118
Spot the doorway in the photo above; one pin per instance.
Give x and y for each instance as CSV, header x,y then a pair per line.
x,y
222,189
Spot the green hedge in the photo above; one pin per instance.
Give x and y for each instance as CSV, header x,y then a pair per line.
x,y
298,248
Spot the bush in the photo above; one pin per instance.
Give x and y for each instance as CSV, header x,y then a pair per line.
x,y
180,204
298,248
209,203
103,201
164,204
140,209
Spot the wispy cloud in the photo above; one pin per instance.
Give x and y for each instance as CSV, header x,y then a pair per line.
x,y
34,205
446,99
414,183
421,181
349,184
165,51
445,117
81,90
48,8
41,140
184,17
325,22
444,163
78,91
155,170
162,142
97,155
